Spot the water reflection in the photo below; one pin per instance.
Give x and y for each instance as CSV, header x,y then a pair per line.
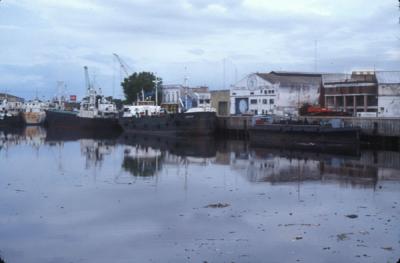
x,y
141,194
146,156
142,160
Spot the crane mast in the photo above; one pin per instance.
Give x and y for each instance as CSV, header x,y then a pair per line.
x,y
122,63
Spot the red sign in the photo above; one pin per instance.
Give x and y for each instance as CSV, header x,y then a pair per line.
x,y
72,97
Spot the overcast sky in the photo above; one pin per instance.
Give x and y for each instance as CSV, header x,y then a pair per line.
x,y
43,41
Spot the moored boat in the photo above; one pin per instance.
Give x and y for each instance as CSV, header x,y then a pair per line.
x,y
332,135
34,112
9,116
95,112
154,120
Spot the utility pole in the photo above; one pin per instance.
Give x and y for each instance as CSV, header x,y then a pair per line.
x,y
316,56
156,81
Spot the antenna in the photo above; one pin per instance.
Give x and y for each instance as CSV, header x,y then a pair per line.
x,y
185,78
316,56
87,77
223,72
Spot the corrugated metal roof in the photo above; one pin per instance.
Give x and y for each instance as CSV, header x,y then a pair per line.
x,y
388,77
291,78
335,77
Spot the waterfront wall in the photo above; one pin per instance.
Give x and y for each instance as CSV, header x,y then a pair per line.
x,y
383,127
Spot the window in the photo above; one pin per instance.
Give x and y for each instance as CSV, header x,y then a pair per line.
x,y
253,101
207,101
265,91
201,101
271,101
272,91
251,93
265,101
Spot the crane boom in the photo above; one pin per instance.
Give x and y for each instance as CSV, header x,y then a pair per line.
x,y
122,63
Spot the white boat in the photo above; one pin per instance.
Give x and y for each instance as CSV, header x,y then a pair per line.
x,y
142,108
34,112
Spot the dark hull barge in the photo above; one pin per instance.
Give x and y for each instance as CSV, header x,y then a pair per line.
x,y
196,124
314,137
12,121
71,120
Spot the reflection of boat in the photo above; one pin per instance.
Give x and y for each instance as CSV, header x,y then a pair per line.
x,y
144,155
287,166
180,146
34,112
331,136
96,150
63,134
96,112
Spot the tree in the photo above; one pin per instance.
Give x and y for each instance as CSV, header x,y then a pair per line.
x,y
135,83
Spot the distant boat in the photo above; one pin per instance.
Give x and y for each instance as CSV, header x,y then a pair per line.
x,y
34,112
9,117
95,112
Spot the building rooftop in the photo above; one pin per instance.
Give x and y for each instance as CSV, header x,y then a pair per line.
x,y
388,77
10,97
291,78
335,77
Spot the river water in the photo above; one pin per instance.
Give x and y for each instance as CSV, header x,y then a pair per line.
x,y
79,198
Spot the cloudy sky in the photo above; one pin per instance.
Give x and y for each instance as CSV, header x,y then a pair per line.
x,y
44,41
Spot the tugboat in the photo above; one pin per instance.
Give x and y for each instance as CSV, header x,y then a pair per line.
x,y
9,117
147,118
96,112
34,112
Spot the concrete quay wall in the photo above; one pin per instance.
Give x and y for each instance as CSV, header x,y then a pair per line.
x,y
382,127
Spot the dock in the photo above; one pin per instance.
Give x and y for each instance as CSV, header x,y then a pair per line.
x,y
381,130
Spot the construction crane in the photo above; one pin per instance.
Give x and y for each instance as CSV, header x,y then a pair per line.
x,y
123,65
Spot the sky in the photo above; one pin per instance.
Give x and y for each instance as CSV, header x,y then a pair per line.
x,y
213,43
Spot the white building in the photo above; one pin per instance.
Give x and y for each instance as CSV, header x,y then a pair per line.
x,y
172,93
178,97
388,93
280,93
201,96
253,95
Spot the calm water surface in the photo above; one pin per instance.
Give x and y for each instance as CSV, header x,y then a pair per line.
x,y
146,199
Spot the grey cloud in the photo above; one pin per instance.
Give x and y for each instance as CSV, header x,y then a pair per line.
x,y
164,36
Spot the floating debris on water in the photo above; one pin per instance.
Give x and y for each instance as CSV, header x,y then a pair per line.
x,y
217,205
343,236
352,216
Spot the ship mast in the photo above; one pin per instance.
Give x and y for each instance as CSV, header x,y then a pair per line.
x,y
87,78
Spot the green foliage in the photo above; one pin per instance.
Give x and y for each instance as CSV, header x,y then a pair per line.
x,y
134,84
